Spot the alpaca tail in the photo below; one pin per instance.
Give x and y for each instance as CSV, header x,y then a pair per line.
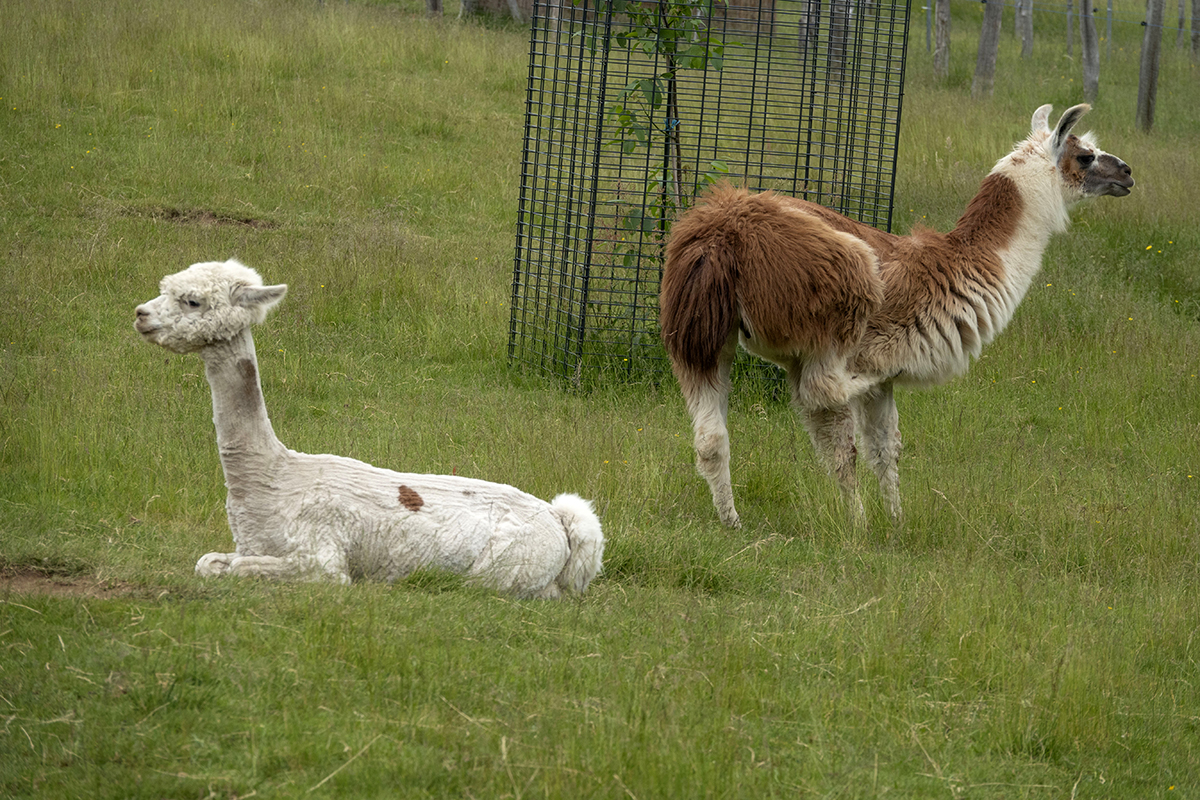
x,y
584,539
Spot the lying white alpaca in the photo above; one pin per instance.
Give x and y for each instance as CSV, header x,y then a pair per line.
x,y
849,310
295,515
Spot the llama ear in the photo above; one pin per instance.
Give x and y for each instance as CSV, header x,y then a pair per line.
x,y
261,297
1066,122
1041,119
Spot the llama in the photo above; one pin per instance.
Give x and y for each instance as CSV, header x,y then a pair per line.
x,y
850,311
296,515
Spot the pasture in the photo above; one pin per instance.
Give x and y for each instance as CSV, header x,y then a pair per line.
x,y
1030,631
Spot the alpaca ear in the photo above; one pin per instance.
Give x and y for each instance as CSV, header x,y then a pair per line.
x,y
1066,122
1041,119
260,297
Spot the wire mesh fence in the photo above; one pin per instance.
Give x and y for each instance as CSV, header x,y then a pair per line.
x,y
633,107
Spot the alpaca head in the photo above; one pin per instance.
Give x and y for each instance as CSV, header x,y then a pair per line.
x,y
207,303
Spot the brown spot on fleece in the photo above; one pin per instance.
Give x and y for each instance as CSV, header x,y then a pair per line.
x,y
410,499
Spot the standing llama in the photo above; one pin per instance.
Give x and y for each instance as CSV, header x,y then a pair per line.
x,y
295,515
848,311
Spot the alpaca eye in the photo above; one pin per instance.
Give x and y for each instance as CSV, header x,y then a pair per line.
x,y
1086,160
191,303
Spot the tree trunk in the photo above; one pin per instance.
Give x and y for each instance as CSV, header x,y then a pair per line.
x,y
839,37
989,44
1148,76
929,27
941,46
433,8
1091,51
1108,30
810,25
1070,33
1182,23
1195,32
1025,26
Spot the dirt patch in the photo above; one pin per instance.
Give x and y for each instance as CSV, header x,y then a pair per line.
x,y
201,217
29,582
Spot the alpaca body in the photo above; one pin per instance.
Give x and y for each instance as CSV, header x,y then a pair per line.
x,y
849,311
298,515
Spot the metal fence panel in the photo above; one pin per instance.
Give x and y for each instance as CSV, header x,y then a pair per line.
x,y
633,107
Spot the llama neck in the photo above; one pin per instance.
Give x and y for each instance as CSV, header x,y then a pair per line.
x,y
1042,212
243,428
1009,223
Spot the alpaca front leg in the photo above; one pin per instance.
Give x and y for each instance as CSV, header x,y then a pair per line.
x,y
832,434
879,425
215,565
212,565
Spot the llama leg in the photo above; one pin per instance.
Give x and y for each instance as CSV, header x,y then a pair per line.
x,y
821,387
708,403
879,424
832,433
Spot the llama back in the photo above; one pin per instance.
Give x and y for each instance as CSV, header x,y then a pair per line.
x,y
585,541
787,277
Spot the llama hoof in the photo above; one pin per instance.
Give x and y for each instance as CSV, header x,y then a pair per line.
x,y
213,565
732,521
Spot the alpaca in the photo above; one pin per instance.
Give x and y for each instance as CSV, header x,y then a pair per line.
x,y
850,311
296,515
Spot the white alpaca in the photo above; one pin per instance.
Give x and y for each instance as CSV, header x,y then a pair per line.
x,y
848,311
295,515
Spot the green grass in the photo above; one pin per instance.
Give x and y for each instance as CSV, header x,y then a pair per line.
x,y
1029,632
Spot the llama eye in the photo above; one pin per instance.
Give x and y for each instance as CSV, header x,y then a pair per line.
x,y
1086,160
191,303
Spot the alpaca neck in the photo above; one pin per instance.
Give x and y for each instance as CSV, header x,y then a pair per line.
x,y
243,428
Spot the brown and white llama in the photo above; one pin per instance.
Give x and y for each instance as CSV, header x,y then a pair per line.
x,y
850,311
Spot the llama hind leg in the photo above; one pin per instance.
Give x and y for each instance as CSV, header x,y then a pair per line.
x,y
879,425
821,387
832,434
708,403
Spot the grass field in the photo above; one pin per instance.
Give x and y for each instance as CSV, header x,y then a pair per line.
x,y
1031,630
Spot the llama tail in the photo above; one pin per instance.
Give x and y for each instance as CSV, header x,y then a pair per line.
x,y
698,306
584,539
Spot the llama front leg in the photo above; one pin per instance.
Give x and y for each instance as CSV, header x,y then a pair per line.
x,y
708,403
879,426
832,434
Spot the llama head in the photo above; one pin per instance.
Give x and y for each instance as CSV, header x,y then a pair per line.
x,y
1083,168
204,304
